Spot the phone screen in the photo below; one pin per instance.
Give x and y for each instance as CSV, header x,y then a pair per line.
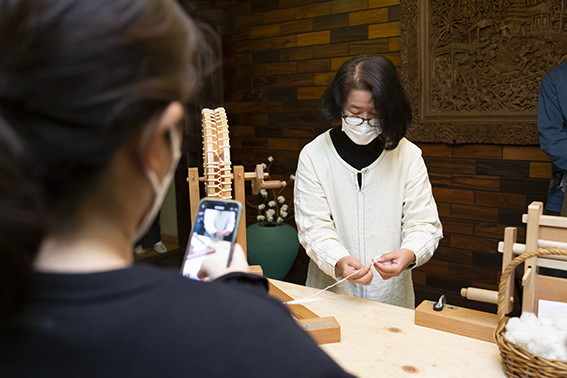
x,y
213,235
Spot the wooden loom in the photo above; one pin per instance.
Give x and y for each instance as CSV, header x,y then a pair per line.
x,y
218,180
542,231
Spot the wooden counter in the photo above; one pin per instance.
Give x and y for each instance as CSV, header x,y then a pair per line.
x,y
380,340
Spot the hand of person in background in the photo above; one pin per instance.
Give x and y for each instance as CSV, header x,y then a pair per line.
x,y
213,270
393,263
349,265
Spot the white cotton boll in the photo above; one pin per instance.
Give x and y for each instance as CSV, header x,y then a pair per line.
x,y
560,321
533,347
540,336
546,322
530,319
523,337
513,324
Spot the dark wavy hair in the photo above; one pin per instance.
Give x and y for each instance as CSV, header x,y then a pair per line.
x,y
377,74
77,78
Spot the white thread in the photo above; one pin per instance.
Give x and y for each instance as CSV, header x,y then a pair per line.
x,y
305,300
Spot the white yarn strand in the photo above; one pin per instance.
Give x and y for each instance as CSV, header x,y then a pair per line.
x,y
309,298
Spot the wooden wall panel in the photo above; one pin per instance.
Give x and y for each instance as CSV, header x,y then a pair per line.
x,y
367,17
278,58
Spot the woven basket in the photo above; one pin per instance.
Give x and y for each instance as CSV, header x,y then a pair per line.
x,y
517,361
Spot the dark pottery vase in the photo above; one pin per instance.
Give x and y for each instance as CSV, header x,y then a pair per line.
x,y
273,247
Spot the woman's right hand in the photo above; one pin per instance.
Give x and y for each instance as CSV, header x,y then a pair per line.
x,y
213,270
349,265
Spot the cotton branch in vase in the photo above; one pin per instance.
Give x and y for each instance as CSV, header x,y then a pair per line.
x,y
273,207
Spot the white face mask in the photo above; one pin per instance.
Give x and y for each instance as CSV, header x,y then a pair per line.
x,y
160,189
361,134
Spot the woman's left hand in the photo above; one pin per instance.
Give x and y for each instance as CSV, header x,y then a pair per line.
x,y
393,263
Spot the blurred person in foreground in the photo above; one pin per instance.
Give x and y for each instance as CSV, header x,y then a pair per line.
x,y
91,96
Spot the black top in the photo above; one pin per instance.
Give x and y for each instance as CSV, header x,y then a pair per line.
x,y
147,322
356,155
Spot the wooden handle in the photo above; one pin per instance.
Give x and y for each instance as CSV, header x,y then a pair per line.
x,y
274,184
482,295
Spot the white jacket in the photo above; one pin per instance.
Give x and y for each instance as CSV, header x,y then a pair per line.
x,y
394,208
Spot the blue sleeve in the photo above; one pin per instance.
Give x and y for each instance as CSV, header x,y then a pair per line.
x,y
551,120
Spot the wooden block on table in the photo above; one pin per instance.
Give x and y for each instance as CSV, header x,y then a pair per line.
x,y
458,320
256,269
322,330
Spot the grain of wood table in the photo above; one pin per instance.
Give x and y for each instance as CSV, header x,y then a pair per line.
x,y
380,340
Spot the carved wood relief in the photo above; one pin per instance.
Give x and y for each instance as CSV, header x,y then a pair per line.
x,y
472,68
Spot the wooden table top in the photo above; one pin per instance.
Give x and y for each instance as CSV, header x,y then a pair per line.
x,y
380,340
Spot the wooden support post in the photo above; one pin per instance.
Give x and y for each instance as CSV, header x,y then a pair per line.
x,y
194,195
510,236
535,210
240,196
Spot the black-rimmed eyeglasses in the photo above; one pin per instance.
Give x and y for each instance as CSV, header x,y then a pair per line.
x,y
357,121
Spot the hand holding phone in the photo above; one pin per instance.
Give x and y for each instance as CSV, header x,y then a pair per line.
x,y
213,270
213,235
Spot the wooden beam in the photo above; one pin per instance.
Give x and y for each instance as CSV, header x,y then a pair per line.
x,y
240,196
535,211
510,236
194,195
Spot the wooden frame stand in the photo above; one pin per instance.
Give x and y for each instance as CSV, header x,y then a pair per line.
x,y
542,231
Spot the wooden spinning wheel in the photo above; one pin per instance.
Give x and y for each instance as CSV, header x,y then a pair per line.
x,y
218,180
217,169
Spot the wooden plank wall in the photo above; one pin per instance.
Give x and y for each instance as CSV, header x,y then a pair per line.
x,y
278,58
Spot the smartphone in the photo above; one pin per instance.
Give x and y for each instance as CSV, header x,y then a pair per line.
x,y
213,235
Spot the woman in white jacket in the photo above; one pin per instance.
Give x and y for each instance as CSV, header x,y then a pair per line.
x,y
362,193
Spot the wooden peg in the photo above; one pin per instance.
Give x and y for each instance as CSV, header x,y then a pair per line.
x,y
258,179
